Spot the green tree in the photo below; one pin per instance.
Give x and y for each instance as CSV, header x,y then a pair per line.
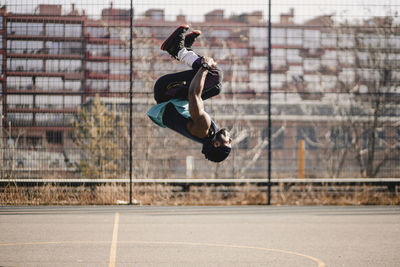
x,y
100,136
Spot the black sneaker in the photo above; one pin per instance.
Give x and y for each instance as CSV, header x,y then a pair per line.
x,y
175,41
190,38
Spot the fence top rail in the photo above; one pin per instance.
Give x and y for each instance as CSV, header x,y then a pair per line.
x,y
208,181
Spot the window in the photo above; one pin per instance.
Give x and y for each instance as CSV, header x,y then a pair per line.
x,y
73,30
33,141
362,57
277,80
347,75
19,83
295,37
15,64
239,52
54,29
20,101
239,70
329,59
52,65
397,138
306,133
68,118
72,85
99,85
119,51
347,40
157,15
17,28
123,86
244,143
70,65
35,29
142,50
279,58
49,101
64,48
72,101
379,135
258,38
278,36
394,42
18,47
97,67
328,54
368,75
98,50
34,65
20,119
74,48
49,119
258,82
311,64
99,32
328,39
49,83
220,53
119,68
340,137
238,86
346,57
54,137
141,66
293,55
312,38
295,71
328,82
313,82
276,143
258,63
52,47
34,47
220,34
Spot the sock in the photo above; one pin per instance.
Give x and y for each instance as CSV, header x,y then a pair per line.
x,y
187,57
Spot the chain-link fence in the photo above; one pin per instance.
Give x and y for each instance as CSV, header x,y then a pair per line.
x,y
67,72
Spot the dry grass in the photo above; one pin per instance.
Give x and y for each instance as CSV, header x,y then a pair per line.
x,y
157,194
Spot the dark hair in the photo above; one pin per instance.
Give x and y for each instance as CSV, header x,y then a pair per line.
x,y
215,154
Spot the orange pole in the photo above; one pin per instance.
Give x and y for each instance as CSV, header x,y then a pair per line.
x,y
301,159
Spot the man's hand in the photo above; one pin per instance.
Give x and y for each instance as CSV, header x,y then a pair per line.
x,y
209,61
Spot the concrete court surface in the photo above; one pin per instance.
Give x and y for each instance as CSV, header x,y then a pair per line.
x,y
200,236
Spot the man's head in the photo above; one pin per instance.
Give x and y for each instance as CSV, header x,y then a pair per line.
x,y
219,147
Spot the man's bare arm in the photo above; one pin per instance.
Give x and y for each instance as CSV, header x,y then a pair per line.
x,y
201,121
196,105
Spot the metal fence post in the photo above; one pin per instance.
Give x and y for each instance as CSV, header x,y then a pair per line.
x,y
130,102
269,102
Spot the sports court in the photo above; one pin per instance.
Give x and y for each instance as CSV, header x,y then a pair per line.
x,y
200,236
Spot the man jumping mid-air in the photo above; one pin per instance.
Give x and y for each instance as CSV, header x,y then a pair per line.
x,y
180,96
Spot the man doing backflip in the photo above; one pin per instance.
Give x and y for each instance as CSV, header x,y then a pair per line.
x,y
180,96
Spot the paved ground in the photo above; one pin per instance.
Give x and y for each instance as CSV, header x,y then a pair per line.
x,y
200,236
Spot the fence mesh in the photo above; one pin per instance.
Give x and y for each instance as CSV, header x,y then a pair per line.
x,y
65,88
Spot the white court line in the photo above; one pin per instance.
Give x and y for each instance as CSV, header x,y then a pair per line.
x,y
113,249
